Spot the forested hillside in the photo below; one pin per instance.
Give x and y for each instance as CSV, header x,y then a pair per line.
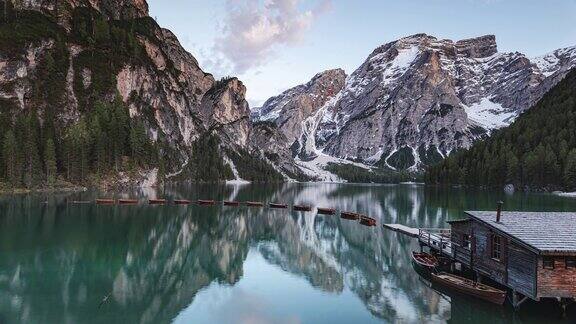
x,y
92,96
36,148
538,151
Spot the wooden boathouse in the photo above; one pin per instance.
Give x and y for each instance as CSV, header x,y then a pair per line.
x,y
531,253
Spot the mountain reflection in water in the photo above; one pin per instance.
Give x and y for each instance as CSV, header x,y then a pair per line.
x,y
65,263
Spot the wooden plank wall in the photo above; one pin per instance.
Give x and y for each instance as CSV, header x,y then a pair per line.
x,y
557,282
483,262
461,254
522,269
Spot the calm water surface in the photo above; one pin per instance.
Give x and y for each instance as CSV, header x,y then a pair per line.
x,y
66,263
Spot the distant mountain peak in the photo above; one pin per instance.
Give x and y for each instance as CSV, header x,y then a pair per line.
x,y
477,47
416,99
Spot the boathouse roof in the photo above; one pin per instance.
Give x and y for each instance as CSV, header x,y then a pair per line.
x,y
545,232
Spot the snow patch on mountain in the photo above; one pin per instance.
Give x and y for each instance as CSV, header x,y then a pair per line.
x,y
395,68
547,64
551,63
489,115
317,167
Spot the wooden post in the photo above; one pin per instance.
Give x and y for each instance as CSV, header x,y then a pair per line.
x,y
441,244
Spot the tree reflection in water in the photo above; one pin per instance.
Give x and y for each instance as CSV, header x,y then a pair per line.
x,y
65,263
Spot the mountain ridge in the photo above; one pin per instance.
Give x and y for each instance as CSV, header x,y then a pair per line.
x,y
536,152
68,67
419,97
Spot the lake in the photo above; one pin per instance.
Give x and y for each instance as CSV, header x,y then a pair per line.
x,y
81,263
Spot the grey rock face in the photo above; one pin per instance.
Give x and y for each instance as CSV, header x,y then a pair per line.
x,y
225,109
290,109
267,139
415,100
61,9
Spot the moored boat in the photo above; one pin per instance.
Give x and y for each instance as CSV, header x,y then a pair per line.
x,y
81,202
303,208
105,201
254,204
349,215
127,201
424,260
277,206
182,202
470,287
205,202
326,211
157,201
367,221
231,203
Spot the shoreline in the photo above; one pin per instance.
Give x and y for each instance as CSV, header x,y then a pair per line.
x,y
24,191
565,194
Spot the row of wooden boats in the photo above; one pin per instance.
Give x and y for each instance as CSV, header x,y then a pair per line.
x,y
362,219
462,285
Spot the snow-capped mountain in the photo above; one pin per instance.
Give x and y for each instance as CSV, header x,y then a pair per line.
x,y
415,100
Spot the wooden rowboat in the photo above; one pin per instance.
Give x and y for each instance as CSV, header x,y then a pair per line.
x,y
254,204
81,202
470,287
182,202
424,260
205,202
349,215
105,201
277,206
127,201
326,211
231,203
157,201
302,208
367,221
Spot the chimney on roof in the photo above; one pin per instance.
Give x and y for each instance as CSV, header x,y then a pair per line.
x,y
499,211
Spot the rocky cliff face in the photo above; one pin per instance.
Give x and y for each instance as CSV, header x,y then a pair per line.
x,y
160,82
416,99
62,9
290,109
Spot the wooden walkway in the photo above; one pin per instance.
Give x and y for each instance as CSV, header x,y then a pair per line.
x,y
406,230
435,238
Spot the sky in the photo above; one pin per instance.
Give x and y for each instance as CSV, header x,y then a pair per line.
x,y
273,45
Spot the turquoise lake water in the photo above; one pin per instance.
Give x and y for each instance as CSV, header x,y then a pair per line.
x,y
73,263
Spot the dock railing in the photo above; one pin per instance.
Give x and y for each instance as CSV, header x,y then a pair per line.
x,y
436,238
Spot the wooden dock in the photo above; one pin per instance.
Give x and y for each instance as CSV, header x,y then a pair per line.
x,y
406,230
434,238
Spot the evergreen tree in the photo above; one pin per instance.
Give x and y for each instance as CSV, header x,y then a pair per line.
x,y
50,162
570,171
101,30
512,169
161,176
33,166
10,161
139,144
77,149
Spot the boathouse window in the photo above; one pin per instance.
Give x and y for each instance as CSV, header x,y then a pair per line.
x,y
466,241
570,262
548,263
496,247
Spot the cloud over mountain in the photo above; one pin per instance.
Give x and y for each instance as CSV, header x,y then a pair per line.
x,y
253,30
